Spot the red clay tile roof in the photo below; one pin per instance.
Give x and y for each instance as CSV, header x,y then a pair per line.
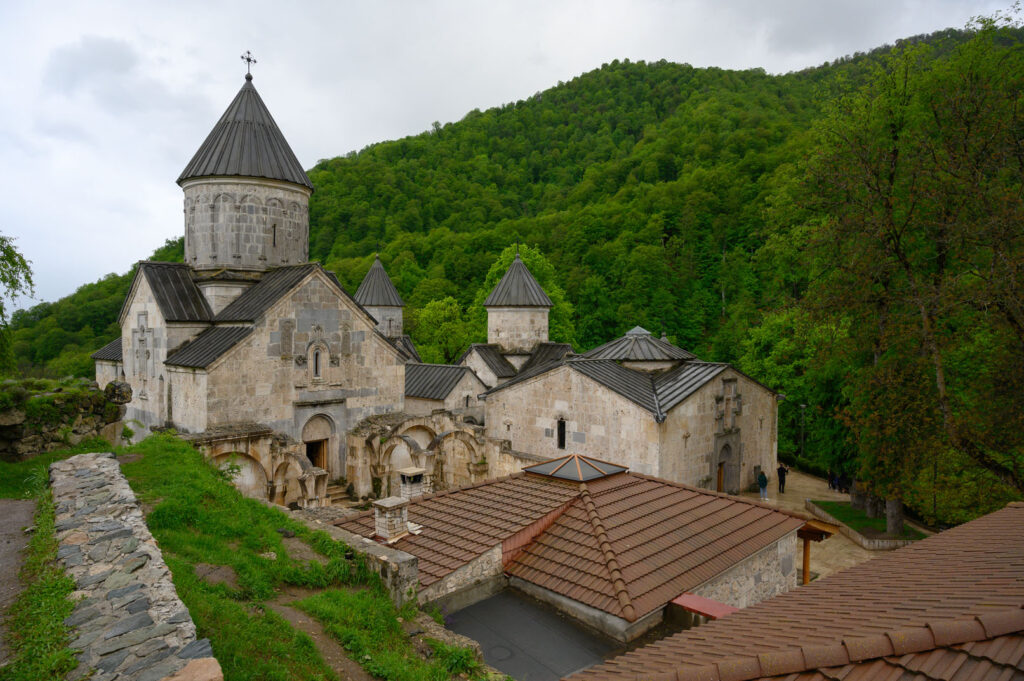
x,y
636,542
948,607
461,524
625,544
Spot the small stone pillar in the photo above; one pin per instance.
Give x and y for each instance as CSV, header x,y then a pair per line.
x,y
391,518
413,482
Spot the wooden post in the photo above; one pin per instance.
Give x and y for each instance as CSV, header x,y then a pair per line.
x,y
807,560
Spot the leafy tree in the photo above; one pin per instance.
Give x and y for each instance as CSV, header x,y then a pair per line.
x,y
442,331
919,175
15,280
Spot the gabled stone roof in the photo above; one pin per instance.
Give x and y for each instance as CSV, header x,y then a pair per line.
x,y
246,142
208,346
432,381
376,290
657,394
111,352
177,296
518,288
492,357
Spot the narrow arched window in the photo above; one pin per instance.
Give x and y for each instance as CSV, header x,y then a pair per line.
x,y
316,364
561,433
273,236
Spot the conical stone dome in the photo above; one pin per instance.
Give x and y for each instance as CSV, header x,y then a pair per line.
x,y
246,142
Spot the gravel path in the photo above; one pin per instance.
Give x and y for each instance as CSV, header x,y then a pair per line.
x,y
15,515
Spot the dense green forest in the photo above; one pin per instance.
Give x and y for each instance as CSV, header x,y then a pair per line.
x,y
848,234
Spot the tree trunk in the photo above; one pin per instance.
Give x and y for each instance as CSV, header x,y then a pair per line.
x,y
858,499
875,507
893,517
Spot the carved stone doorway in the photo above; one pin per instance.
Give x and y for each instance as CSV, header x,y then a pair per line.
x,y
316,452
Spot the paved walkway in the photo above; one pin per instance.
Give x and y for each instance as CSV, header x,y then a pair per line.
x,y
15,515
836,552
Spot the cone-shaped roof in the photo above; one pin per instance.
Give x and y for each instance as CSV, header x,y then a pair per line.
x,y
518,288
576,467
246,142
638,345
377,289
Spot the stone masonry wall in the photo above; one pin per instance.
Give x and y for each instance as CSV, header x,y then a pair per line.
x,y
517,329
688,433
599,422
361,373
480,569
245,224
128,619
767,573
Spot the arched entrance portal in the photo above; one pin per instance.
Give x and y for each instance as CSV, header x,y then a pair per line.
x,y
317,435
727,475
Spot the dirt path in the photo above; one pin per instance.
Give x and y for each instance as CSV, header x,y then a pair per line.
x,y
332,653
15,515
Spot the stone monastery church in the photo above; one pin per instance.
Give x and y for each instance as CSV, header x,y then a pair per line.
x,y
262,358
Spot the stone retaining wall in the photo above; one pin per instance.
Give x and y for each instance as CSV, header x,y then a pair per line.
x,y
398,570
128,622
855,536
49,421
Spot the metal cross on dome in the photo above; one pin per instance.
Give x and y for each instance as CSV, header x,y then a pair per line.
x,y
249,61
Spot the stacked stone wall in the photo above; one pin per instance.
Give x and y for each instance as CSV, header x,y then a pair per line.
x,y
767,573
128,621
480,570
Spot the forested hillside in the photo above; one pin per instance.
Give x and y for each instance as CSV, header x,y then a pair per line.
x,y
703,203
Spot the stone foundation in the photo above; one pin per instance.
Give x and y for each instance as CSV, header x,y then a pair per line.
x,y
128,622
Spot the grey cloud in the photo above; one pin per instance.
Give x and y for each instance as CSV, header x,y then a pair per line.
x,y
109,71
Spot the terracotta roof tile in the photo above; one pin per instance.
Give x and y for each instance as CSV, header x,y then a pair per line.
x,y
948,607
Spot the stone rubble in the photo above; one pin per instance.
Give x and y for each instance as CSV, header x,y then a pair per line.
x,y
128,621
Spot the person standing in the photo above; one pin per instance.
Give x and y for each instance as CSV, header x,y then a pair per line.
x,y
762,482
782,477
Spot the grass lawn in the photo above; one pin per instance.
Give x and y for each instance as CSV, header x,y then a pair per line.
x,y
859,521
38,638
24,479
197,516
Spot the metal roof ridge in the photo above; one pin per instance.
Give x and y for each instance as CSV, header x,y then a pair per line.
x,y
610,559
659,415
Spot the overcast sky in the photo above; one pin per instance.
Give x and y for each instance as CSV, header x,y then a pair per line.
x,y
103,103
